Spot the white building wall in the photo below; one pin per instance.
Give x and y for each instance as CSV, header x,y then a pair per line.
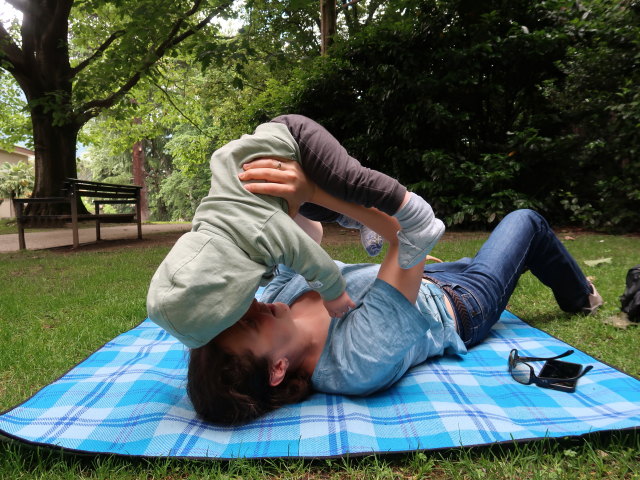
x,y
18,155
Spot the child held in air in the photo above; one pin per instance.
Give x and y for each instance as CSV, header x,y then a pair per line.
x,y
209,278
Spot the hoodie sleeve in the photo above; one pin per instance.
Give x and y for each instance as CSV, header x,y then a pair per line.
x,y
288,244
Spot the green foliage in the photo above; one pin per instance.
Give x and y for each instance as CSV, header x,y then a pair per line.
x,y
139,29
173,114
16,179
600,101
442,97
15,125
181,194
484,107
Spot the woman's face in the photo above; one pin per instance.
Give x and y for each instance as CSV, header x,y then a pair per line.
x,y
264,330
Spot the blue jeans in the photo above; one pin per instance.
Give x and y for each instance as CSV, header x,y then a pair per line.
x,y
522,240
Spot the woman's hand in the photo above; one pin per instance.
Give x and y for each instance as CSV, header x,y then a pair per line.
x,y
339,306
284,179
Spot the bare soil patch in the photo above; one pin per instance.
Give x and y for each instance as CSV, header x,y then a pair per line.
x,y
334,235
147,241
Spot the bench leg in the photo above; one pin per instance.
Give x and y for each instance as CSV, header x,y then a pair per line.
x,y
74,222
97,205
21,243
139,217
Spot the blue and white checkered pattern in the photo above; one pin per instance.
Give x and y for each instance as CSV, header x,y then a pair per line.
x,y
129,398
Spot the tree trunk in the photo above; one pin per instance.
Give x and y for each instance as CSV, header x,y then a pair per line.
x,y
55,160
328,18
139,177
46,79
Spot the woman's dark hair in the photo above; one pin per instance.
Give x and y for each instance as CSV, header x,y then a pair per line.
x,y
231,389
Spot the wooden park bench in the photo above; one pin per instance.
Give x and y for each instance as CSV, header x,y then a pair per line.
x,y
73,190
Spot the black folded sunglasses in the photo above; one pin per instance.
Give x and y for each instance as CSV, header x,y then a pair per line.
x,y
554,374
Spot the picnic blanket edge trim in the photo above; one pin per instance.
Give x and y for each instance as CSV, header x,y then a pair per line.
x,y
513,441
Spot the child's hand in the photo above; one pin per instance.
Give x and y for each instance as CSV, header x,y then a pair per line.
x,y
339,306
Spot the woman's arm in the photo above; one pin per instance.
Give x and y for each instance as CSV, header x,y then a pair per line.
x,y
406,281
290,183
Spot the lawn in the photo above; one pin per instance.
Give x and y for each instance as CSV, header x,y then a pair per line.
x,y
8,225
55,309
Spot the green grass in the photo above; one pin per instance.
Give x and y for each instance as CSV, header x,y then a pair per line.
x,y
8,225
55,309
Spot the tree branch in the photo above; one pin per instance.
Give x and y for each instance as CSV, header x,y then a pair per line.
x,y
159,87
373,6
171,43
20,5
99,51
93,107
348,4
10,53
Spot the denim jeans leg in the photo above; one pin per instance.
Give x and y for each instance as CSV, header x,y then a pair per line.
x,y
522,240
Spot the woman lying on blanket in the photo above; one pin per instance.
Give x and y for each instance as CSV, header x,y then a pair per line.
x,y
288,346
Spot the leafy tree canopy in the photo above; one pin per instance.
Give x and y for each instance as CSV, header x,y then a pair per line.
x,y
481,106
74,60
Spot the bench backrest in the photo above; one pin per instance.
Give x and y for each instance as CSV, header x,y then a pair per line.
x,y
85,188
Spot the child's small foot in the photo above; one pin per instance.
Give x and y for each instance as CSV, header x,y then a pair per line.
x,y
409,254
420,232
371,241
348,222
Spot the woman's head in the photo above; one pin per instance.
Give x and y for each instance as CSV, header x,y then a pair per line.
x,y
237,377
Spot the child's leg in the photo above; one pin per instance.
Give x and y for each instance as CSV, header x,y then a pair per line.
x,y
310,227
371,240
329,165
318,213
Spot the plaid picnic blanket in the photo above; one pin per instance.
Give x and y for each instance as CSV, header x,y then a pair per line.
x,y
129,398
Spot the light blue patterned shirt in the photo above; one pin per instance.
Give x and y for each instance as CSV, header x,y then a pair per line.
x,y
371,347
